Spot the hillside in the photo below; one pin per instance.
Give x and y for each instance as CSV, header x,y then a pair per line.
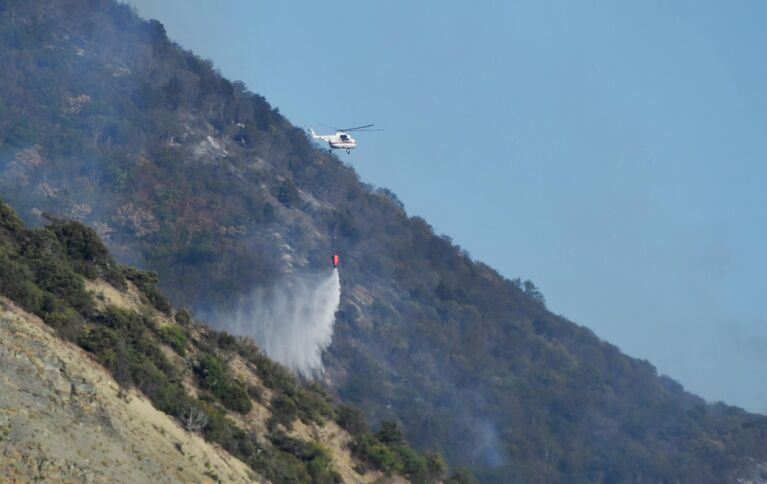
x,y
64,418
105,120
104,381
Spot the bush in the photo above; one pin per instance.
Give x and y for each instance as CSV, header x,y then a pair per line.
x,y
56,277
462,475
414,466
284,411
436,467
182,317
370,450
287,193
174,337
110,351
64,319
212,376
166,395
351,420
255,393
390,433
225,341
42,259
123,344
124,320
8,218
315,458
282,467
322,471
80,242
16,282
314,403
146,282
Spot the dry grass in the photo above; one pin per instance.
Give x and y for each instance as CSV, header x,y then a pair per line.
x,y
65,410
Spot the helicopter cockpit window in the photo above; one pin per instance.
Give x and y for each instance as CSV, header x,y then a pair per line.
x,y
344,137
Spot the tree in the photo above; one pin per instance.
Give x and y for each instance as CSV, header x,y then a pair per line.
x,y
195,420
390,433
436,466
533,292
462,475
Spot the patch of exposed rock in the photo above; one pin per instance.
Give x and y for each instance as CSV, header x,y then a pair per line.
x,y
63,418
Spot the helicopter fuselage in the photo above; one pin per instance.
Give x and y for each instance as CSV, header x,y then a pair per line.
x,y
342,141
338,141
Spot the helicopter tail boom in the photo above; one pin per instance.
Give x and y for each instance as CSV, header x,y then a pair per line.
x,y
320,136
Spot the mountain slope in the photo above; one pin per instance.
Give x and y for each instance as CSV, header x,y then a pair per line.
x,y
105,120
147,382
64,418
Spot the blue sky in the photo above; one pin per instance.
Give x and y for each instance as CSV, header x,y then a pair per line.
x,y
615,153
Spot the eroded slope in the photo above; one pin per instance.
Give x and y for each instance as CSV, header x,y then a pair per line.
x,y
63,417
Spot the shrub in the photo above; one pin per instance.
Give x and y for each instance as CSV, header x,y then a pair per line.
x,y
314,403
282,467
80,242
314,457
322,471
390,433
436,467
351,420
370,450
255,393
123,320
462,475
182,317
212,376
110,351
16,283
414,466
166,395
284,411
56,277
64,319
174,337
225,341
146,282
287,193
8,218
123,344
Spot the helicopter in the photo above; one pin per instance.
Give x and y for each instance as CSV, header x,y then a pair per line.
x,y
341,140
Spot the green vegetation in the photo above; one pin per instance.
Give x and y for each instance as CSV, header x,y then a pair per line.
x,y
43,270
319,464
146,281
124,342
308,402
387,450
213,376
88,255
174,337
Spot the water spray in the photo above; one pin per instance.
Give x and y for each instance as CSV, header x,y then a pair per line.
x,y
292,320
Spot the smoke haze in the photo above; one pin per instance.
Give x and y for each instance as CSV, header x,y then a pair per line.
x,y
291,320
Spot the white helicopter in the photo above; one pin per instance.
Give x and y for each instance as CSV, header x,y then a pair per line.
x,y
341,140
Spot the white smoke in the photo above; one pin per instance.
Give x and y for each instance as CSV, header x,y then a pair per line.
x,y
292,320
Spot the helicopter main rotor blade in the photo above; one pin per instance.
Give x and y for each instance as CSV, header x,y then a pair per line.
x,y
357,128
